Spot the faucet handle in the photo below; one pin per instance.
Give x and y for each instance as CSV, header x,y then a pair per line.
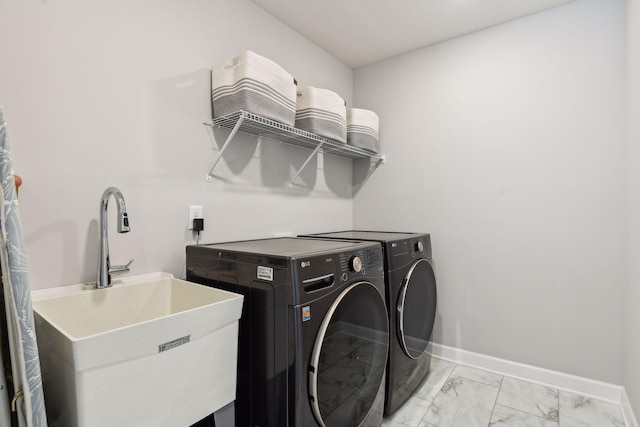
x,y
120,269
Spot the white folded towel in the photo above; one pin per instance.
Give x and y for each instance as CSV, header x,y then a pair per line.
x,y
322,112
362,129
256,84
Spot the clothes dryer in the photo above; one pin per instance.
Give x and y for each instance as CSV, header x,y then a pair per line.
x,y
313,337
411,297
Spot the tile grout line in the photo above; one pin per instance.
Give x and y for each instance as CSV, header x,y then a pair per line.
x,y
495,403
558,391
437,394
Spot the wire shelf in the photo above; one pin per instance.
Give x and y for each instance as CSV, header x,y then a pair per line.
x,y
245,122
271,129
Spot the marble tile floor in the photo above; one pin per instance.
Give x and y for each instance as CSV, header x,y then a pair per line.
x,y
456,395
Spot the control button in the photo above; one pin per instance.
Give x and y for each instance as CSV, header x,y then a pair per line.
x,y
418,246
344,277
355,264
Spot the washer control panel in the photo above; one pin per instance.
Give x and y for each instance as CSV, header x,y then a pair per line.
x,y
321,272
353,262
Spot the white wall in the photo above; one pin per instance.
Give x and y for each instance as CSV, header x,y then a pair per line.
x,y
108,93
508,146
632,349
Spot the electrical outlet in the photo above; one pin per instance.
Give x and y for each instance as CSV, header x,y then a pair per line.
x,y
194,212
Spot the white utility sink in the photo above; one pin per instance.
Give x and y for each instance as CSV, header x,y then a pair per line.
x,y
151,350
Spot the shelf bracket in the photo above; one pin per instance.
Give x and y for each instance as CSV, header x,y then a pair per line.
x,y
372,170
224,147
304,165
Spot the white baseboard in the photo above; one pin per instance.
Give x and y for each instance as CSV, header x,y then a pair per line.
x,y
627,410
587,387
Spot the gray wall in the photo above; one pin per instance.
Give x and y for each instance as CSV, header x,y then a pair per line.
x,y
108,93
508,146
632,349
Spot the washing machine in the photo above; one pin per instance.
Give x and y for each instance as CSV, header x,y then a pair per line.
x,y
314,332
411,296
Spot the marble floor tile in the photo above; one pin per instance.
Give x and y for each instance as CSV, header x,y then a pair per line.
x,y
508,417
463,396
409,414
478,375
580,411
438,373
534,399
462,403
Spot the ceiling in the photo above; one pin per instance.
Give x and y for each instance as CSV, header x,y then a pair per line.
x,y
361,32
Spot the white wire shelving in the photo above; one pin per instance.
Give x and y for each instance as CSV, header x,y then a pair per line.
x,y
245,122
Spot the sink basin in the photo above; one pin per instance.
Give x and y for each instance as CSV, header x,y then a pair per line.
x,y
151,350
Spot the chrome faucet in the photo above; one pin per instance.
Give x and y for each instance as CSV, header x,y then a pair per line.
x,y
105,270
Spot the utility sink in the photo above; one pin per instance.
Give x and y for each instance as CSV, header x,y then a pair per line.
x,y
151,350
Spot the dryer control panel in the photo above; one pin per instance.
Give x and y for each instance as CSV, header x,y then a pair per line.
x,y
405,251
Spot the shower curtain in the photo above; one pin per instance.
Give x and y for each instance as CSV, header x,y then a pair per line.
x,y
28,397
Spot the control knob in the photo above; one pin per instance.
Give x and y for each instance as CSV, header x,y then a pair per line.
x,y
418,246
355,264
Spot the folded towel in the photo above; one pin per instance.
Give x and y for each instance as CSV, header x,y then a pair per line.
x,y
322,112
255,84
362,129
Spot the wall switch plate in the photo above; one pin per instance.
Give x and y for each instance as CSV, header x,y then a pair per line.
x,y
195,211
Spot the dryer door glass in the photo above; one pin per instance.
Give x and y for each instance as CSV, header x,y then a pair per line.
x,y
416,309
349,357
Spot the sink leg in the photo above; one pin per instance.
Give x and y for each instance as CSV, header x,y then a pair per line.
x,y
225,416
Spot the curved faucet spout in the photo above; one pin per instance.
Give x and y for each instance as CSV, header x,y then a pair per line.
x,y
104,265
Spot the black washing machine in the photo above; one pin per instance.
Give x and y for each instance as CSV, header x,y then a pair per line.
x,y
314,332
411,297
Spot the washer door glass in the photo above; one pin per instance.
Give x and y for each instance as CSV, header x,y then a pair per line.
x,y
416,308
349,357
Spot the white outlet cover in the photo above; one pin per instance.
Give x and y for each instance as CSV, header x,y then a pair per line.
x,y
195,211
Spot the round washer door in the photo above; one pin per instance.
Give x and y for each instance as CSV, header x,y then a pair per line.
x,y
349,357
416,310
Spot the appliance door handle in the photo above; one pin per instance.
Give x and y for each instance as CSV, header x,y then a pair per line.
x,y
317,283
400,308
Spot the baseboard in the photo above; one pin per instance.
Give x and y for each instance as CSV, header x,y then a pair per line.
x,y
627,410
592,388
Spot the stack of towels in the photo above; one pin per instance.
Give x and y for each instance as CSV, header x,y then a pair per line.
x,y
362,129
255,84
322,112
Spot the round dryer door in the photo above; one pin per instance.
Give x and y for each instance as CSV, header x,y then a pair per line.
x,y
349,357
416,308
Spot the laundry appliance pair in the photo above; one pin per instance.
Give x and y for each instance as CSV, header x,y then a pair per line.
x,y
329,323
314,331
